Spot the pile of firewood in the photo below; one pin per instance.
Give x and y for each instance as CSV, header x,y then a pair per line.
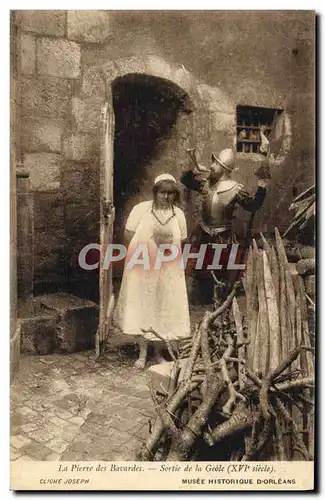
x,y
305,207
244,381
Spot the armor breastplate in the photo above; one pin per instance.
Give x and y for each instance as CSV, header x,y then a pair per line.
x,y
219,203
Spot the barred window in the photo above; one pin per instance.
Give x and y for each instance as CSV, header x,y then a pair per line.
x,y
250,120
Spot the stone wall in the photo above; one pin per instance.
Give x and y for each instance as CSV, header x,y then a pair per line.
x,y
67,59
14,156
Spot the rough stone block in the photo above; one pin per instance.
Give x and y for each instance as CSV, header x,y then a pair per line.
x,y
44,22
87,113
80,147
48,210
134,64
93,83
46,96
44,170
57,57
79,182
88,26
162,375
78,321
28,54
41,134
159,67
38,335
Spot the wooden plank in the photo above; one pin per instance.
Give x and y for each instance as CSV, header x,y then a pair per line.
x,y
273,315
241,351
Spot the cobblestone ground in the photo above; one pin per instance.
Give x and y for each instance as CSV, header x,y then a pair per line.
x,y
70,407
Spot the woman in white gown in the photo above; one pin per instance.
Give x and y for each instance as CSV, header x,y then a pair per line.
x,y
154,297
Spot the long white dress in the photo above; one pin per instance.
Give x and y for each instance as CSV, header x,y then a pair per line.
x,y
156,297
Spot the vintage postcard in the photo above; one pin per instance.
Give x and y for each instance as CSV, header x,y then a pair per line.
x,y
162,250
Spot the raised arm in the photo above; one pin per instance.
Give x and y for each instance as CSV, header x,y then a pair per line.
x,y
252,203
195,180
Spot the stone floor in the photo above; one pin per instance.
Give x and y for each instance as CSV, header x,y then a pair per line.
x,y
70,407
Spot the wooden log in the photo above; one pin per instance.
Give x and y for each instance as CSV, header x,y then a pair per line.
x,y
309,371
310,285
307,363
241,351
282,261
307,192
298,329
272,314
256,362
251,305
266,246
264,347
275,275
307,252
291,315
306,266
288,290
240,420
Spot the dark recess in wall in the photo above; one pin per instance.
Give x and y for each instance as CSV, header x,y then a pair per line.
x,y
146,109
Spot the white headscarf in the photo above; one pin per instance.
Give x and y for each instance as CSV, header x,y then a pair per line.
x,y
164,177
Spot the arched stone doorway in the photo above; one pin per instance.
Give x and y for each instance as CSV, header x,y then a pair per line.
x,y
152,132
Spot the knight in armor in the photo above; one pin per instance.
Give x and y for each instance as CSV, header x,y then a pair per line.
x,y
220,195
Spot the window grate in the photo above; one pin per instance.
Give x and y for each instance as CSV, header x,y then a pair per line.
x,y
250,120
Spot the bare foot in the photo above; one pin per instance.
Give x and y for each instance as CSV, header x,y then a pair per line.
x,y
140,364
142,359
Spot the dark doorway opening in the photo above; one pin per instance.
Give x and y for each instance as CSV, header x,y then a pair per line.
x,y
146,111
